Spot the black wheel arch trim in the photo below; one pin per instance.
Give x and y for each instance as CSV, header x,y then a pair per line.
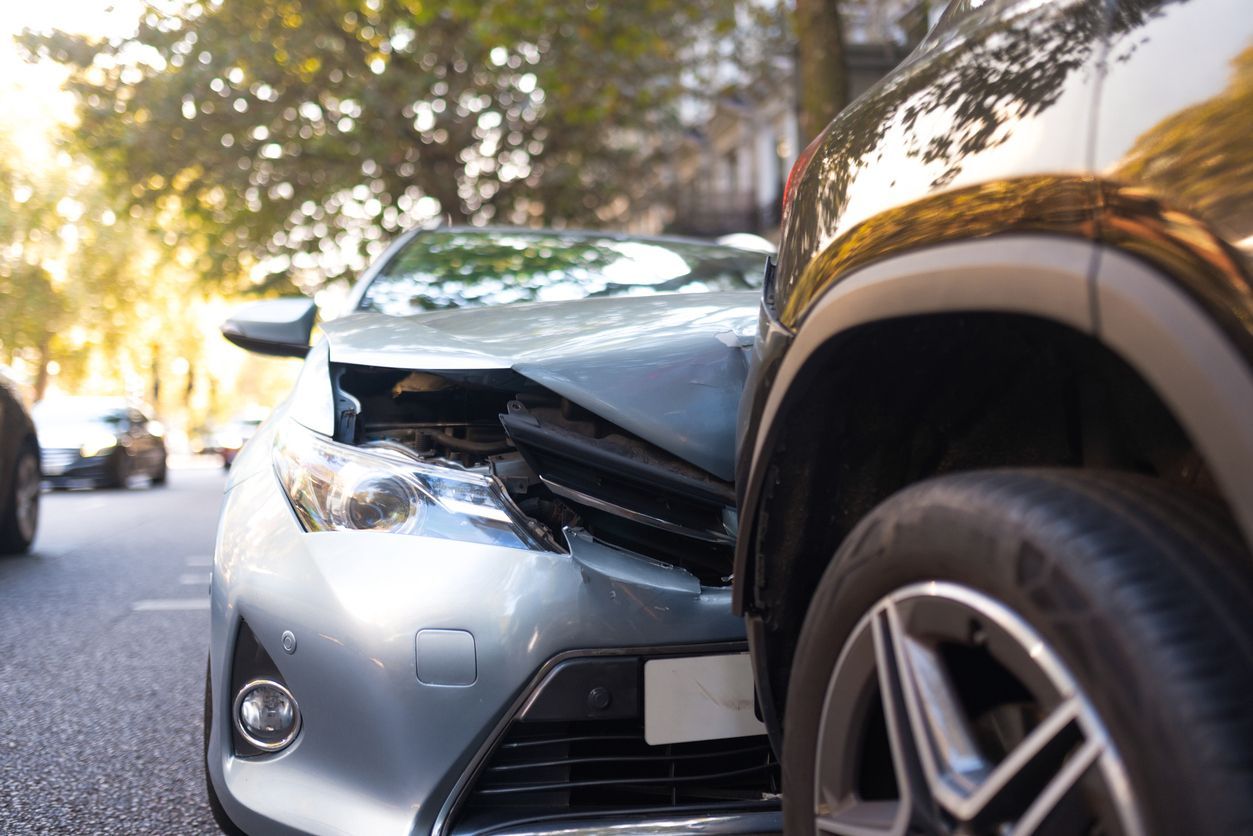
x,y
1042,275
1193,364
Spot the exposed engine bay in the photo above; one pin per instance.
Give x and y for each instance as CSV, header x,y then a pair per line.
x,y
562,465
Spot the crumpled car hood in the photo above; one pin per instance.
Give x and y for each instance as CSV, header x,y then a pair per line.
x,y
668,368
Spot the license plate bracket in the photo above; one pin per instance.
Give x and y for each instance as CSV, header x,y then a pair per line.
x,y
699,698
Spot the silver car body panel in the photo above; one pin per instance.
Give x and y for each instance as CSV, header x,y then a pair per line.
x,y
380,752
668,368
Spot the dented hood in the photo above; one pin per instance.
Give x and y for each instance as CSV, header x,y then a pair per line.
x,y
668,368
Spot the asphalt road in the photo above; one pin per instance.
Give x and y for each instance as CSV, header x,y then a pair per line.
x,y
103,640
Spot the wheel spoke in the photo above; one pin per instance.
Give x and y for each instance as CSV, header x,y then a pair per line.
x,y
924,699
907,723
1026,772
1057,789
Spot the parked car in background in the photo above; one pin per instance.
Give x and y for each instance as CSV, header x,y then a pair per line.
x,y
230,438
98,442
19,472
473,574
996,470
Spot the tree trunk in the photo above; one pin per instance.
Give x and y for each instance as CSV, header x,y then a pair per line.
x,y
41,376
156,376
190,389
821,69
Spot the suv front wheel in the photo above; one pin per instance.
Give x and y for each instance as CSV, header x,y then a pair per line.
x,y
1027,652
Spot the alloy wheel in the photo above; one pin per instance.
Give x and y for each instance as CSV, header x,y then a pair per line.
x,y
26,496
947,713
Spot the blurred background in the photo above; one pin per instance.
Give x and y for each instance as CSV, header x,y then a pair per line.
x,y
164,162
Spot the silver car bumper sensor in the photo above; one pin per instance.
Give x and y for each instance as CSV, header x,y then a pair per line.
x,y
451,687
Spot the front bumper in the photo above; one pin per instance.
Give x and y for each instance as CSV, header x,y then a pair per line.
x,y
64,467
380,751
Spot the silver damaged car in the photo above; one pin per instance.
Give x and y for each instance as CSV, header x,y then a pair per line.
x,y
473,575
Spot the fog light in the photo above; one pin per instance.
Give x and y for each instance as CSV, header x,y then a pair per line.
x,y
266,715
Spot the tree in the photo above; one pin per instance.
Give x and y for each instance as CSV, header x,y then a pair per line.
x,y
285,140
821,72
35,309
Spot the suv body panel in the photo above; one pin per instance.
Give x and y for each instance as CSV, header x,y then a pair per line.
x,y
1139,161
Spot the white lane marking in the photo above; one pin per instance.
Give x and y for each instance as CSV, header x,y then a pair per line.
x,y
200,560
170,604
194,578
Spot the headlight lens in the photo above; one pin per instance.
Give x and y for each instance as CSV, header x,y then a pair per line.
x,y
96,443
337,487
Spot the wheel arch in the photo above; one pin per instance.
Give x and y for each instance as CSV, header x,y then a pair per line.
x,y
1087,321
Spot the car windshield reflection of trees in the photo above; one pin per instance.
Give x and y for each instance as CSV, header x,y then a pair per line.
x,y
1015,73
1202,153
446,269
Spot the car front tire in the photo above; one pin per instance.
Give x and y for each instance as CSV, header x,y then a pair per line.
x,y
215,804
1027,651
117,471
19,520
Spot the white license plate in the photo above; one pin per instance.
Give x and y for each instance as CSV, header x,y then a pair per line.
x,y
699,698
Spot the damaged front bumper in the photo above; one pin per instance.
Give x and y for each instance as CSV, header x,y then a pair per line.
x,y
414,661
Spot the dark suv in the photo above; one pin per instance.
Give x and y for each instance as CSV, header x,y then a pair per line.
x,y
996,453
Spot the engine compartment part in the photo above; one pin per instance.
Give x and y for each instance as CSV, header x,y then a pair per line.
x,y
667,368
563,466
619,475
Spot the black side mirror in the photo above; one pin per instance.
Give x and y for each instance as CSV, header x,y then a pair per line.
x,y
278,327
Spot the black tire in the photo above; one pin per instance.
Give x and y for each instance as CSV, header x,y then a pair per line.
x,y
16,538
1143,590
215,804
159,478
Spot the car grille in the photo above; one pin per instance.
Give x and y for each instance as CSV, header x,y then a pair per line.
x,y
57,459
597,767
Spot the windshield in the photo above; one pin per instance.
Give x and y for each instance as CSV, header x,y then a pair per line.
x,y
469,268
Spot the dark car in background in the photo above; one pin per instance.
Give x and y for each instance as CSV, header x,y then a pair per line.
x,y
996,449
98,442
19,472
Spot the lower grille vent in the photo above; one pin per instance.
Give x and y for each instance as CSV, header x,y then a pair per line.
x,y
593,767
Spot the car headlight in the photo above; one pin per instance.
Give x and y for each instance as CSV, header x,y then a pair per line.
x,y
97,442
337,487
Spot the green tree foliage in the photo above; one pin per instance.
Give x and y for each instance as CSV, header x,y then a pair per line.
x,y
274,137
1202,154
34,308
82,287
